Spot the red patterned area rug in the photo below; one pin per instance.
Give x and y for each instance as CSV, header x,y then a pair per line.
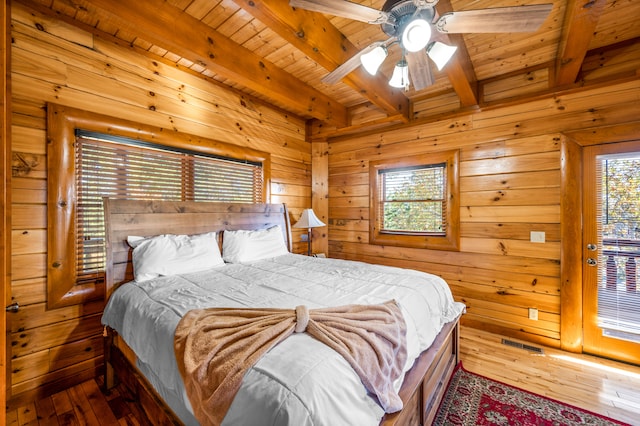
x,y
476,400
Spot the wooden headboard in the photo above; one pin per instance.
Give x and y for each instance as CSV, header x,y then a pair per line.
x,y
146,218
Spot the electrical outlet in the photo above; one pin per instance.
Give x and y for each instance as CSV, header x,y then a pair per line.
x,y
537,236
533,314
304,237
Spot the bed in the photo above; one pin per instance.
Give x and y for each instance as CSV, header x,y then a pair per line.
x,y
143,362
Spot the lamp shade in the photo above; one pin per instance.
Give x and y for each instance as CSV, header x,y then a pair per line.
x,y
416,35
308,219
371,61
400,77
440,53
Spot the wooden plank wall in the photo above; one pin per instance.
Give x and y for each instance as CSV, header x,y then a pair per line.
x,y
54,62
510,185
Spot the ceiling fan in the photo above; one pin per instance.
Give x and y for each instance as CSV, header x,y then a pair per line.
x,y
410,24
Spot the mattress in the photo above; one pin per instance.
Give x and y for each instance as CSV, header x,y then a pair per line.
x,y
300,381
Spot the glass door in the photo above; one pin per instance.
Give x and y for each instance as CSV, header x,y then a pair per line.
x,y
611,252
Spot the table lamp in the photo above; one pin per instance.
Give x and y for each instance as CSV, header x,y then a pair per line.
x,y
308,219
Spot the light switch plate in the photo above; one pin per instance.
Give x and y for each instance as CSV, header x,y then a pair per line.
x,y
537,236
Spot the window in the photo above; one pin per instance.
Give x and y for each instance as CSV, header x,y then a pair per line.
x,y
415,202
412,199
618,248
90,156
107,166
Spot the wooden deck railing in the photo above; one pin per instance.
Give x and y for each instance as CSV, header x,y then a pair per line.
x,y
627,253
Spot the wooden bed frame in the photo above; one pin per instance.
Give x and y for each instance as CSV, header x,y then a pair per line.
x,y
422,389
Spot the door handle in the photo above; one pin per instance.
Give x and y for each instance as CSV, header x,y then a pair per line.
x,y
592,262
12,307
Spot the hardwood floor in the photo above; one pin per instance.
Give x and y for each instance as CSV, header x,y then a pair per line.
x,y
84,404
602,386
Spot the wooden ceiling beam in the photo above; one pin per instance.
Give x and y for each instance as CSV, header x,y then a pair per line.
x,y
459,69
173,29
581,18
313,34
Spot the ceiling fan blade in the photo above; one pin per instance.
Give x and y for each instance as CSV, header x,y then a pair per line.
x,y
344,9
498,20
341,72
419,70
352,63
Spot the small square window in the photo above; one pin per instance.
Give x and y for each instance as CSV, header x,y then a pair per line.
x,y
412,199
414,202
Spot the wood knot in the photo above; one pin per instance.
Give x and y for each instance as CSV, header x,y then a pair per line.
x,y
23,164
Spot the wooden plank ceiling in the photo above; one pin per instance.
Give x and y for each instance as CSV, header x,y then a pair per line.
x,y
278,54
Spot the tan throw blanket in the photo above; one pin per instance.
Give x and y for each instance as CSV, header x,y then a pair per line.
x,y
215,347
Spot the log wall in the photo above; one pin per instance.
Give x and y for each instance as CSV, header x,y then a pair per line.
x,y
54,62
510,183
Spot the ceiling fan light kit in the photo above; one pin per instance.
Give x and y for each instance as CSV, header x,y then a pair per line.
x,y
400,77
371,61
440,53
410,23
416,35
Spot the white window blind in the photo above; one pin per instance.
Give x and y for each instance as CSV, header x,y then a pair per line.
x,y
618,219
413,199
107,166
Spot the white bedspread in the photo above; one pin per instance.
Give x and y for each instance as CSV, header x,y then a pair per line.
x,y
301,381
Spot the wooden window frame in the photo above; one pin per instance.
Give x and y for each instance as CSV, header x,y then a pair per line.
x,y
451,238
62,122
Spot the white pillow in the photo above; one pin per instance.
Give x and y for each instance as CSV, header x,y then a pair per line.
x,y
173,254
247,246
